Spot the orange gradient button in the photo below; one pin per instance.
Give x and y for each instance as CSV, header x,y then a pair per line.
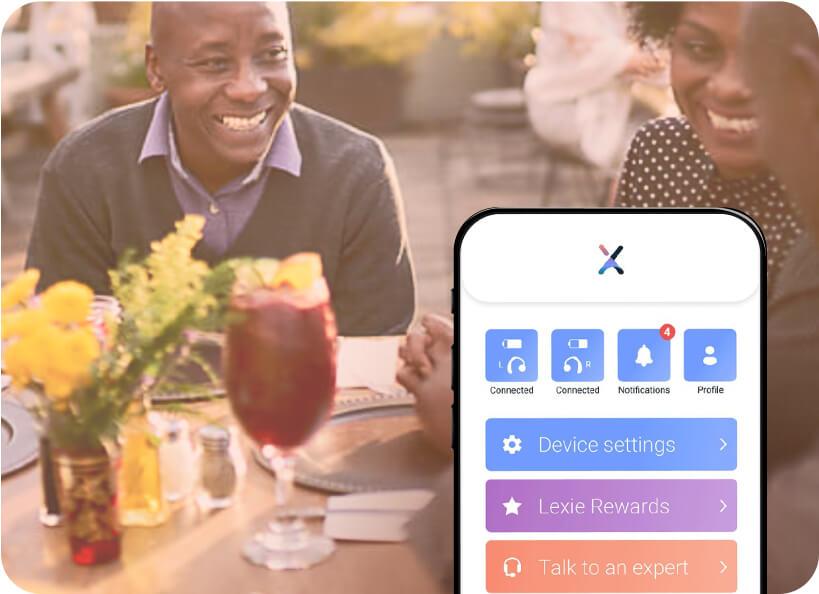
x,y
611,566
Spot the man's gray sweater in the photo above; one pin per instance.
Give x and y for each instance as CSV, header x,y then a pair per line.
x,y
95,201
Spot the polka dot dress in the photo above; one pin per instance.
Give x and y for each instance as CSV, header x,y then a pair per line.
x,y
667,165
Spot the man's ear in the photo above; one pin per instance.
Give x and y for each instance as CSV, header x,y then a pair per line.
x,y
152,71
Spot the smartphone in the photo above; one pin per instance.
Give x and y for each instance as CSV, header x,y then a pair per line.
x,y
609,417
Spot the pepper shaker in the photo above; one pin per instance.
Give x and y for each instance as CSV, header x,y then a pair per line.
x,y
217,470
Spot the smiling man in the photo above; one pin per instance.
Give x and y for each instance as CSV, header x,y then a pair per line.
x,y
225,140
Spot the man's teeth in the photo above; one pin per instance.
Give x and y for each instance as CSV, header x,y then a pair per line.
x,y
237,123
740,125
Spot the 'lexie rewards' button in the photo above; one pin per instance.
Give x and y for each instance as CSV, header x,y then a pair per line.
x,y
611,566
610,505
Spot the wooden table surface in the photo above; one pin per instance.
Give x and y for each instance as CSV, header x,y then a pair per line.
x,y
196,553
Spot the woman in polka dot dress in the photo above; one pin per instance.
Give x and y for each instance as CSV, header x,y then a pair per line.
x,y
707,157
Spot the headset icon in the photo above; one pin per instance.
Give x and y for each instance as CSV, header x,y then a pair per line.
x,y
517,567
521,366
567,368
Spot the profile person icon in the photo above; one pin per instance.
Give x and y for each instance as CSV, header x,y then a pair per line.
x,y
709,359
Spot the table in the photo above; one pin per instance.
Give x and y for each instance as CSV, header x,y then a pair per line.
x,y
196,554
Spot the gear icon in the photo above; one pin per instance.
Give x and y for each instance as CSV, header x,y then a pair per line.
x,y
512,444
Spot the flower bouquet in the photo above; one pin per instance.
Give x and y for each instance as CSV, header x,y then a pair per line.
x,y
83,385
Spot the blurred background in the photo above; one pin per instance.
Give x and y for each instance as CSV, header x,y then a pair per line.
x,y
440,83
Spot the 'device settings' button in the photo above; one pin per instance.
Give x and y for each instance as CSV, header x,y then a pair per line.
x,y
611,444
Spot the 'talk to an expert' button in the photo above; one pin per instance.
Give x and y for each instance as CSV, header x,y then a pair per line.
x,y
611,566
655,505
611,444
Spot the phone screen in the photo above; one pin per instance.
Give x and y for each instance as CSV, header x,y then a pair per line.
x,y
609,426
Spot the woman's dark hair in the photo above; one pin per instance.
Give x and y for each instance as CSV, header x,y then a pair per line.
x,y
653,22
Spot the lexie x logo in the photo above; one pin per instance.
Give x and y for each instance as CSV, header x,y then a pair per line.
x,y
611,262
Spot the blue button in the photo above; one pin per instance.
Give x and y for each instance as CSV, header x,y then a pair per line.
x,y
710,355
643,356
611,444
511,355
577,355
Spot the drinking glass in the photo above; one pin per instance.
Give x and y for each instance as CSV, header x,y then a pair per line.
x,y
280,368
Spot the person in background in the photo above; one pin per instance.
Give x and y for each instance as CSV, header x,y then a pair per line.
x,y
224,140
578,92
426,372
708,156
786,98
780,57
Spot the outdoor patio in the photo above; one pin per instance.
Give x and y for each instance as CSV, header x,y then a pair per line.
x,y
439,179
454,155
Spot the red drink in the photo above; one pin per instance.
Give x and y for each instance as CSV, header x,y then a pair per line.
x,y
280,375
280,363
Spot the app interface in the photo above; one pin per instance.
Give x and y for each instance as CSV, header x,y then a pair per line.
x,y
610,403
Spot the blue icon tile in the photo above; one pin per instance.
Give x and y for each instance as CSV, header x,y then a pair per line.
x,y
710,355
643,356
511,355
577,355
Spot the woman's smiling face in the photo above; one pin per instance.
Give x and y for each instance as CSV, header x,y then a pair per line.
x,y
709,88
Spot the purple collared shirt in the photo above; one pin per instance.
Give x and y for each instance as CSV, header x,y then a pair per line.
x,y
227,211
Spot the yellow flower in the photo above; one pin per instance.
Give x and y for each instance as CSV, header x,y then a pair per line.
x,y
83,346
191,225
67,302
16,362
71,353
41,349
58,388
22,323
60,359
20,289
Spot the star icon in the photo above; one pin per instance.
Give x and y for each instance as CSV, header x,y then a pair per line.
x,y
511,506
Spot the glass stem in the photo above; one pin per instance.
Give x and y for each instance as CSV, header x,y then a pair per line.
x,y
284,465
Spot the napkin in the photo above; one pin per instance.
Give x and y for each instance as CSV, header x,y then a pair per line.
x,y
380,516
367,361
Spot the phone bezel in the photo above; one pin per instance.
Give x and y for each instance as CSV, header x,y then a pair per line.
x,y
456,363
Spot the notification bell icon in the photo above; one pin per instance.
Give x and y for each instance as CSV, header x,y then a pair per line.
x,y
644,356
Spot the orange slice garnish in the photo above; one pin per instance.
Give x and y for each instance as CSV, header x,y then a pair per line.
x,y
300,271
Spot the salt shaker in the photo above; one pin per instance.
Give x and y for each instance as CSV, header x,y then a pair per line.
x,y
217,470
177,460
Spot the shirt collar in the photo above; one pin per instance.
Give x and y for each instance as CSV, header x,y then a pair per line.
x,y
283,154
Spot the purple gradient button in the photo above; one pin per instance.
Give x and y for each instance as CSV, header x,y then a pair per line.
x,y
611,505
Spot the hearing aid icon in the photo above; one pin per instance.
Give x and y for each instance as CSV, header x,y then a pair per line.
x,y
577,355
511,355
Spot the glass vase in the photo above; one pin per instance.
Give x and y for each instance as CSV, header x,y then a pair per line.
x,y
88,500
